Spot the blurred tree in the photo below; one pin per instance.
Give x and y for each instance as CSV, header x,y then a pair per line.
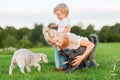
x,y
89,30
10,41
6,33
24,43
116,28
1,37
77,30
10,30
104,33
25,37
1,28
23,32
115,36
37,35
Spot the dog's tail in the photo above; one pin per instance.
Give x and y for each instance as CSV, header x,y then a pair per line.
x,y
94,39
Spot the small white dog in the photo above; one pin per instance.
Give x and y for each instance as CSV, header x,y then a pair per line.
x,y
24,57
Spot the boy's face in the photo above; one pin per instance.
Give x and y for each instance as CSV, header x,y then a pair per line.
x,y
60,15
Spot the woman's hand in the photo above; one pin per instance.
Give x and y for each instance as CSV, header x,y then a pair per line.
x,y
89,46
77,61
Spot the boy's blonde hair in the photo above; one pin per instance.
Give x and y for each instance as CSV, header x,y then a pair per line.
x,y
63,8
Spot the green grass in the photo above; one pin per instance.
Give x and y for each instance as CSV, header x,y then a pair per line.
x,y
106,54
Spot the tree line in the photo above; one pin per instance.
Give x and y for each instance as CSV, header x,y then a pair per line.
x,y
29,38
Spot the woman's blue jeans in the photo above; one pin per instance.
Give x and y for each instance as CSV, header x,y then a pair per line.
x,y
58,58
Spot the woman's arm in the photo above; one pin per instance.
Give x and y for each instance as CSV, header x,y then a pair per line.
x,y
89,46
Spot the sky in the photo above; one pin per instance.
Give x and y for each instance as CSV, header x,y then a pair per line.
x,y
25,13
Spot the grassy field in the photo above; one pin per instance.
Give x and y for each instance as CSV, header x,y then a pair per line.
x,y
106,55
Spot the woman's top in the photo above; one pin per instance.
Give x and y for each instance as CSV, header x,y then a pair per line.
x,y
75,40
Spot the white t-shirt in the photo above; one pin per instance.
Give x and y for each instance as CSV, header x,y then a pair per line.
x,y
63,23
75,40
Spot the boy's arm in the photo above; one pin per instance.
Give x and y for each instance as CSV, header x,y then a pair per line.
x,y
66,30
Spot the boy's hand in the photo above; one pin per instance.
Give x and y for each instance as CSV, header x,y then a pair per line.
x,y
53,26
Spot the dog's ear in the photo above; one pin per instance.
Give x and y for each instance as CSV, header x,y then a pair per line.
x,y
61,52
43,58
73,50
67,51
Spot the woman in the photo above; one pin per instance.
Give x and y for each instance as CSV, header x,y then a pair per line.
x,y
70,41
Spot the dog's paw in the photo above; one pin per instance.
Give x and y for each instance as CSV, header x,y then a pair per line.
x,y
39,69
68,71
10,74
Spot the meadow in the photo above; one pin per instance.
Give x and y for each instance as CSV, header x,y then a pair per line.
x,y
107,55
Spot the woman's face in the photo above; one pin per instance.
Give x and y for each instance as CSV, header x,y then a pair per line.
x,y
57,41
59,15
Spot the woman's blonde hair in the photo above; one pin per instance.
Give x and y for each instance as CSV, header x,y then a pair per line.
x,y
63,8
49,34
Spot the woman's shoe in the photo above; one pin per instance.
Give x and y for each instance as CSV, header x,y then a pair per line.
x,y
60,69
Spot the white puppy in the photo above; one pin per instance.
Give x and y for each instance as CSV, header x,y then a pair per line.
x,y
24,57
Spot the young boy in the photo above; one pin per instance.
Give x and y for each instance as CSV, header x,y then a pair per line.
x,y
61,11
